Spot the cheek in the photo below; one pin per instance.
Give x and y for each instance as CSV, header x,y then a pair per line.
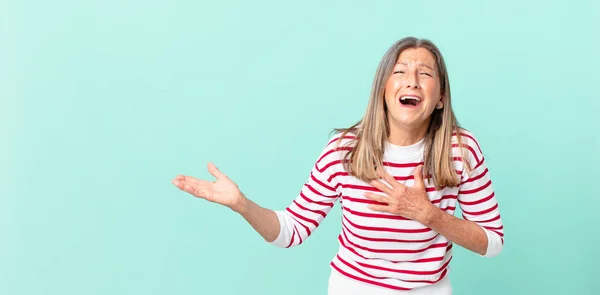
x,y
389,92
432,89
389,101
392,86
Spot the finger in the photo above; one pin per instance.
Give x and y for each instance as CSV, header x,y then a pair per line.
x,y
197,182
215,171
182,183
381,186
389,179
419,177
196,187
377,198
186,187
380,208
182,180
178,181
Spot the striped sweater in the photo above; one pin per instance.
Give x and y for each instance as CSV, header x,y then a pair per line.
x,y
383,249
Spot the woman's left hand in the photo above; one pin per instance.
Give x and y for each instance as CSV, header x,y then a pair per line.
x,y
408,202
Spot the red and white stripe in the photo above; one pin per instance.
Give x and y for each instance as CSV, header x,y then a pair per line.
x,y
383,249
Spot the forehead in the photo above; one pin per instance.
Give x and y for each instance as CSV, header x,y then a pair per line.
x,y
416,56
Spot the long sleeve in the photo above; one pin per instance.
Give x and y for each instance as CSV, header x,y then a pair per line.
x,y
477,198
315,200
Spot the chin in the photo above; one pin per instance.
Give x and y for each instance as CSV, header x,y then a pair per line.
x,y
410,122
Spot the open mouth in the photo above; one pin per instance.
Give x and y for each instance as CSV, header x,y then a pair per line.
x,y
410,100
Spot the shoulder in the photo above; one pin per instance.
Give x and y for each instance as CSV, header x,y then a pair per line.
x,y
341,139
336,148
465,144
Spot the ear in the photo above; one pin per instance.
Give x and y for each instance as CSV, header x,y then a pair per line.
x,y
440,103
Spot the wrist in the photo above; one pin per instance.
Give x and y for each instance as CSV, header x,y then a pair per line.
x,y
429,215
242,206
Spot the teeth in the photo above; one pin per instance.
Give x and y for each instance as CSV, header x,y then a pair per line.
x,y
410,97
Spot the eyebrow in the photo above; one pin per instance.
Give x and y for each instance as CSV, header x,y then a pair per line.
x,y
420,64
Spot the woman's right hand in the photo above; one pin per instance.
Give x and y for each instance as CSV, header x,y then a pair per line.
x,y
222,191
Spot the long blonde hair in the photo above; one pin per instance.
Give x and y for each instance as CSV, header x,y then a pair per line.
x,y
372,131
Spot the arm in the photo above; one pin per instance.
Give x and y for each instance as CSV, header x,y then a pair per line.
x,y
263,220
315,200
478,202
481,228
289,227
480,231
283,228
462,232
225,192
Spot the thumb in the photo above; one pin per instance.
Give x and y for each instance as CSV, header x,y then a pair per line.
x,y
215,171
419,177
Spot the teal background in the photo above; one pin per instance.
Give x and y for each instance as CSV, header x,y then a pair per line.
x,y
104,102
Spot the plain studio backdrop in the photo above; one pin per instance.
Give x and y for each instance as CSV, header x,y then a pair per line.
x,y
105,102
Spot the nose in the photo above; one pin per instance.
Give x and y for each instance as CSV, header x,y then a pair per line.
x,y
412,81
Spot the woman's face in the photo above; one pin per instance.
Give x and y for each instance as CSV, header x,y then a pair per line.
x,y
412,91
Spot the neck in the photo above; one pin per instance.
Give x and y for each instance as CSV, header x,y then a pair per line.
x,y
402,135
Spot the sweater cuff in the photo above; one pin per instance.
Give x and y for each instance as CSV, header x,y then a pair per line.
x,y
282,239
495,245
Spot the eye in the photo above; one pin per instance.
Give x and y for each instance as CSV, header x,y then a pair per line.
x,y
426,74
399,72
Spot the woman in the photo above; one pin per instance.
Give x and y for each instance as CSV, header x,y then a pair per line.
x,y
399,174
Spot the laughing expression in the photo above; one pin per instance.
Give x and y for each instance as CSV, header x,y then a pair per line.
x,y
412,91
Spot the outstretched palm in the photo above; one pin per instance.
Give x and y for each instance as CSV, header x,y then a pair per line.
x,y
222,191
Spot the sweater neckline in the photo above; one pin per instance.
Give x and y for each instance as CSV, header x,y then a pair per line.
x,y
406,151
